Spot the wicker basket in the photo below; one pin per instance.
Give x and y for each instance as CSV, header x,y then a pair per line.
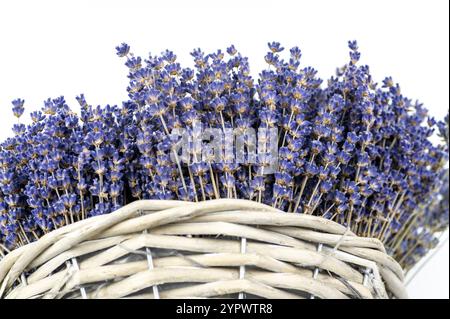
x,y
223,248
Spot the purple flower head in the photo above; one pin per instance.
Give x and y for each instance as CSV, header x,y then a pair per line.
x,y
18,107
122,50
275,47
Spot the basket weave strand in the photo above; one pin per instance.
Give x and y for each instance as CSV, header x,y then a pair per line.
x,y
220,248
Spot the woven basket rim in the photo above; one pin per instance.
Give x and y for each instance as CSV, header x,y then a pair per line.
x,y
236,217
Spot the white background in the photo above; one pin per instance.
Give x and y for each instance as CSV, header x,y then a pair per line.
x,y
52,48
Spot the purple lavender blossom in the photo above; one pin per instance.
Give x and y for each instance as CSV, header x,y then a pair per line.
x,y
349,150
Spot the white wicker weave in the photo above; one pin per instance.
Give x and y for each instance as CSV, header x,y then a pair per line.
x,y
220,248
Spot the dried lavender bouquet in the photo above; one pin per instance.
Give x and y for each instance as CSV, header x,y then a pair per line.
x,y
349,149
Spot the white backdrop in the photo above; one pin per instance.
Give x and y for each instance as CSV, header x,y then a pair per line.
x,y
52,48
